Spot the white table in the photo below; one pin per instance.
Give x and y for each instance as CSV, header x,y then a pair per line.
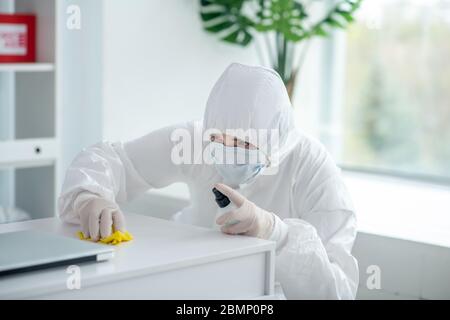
x,y
166,260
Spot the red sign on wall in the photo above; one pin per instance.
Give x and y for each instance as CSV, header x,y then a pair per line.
x,y
17,38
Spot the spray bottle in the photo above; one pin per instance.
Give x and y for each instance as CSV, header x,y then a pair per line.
x,y
225,205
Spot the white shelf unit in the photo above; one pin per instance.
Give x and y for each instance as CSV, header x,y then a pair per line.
x,y
29,113
26,67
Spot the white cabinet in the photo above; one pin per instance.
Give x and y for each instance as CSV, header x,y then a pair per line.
x,y
29,118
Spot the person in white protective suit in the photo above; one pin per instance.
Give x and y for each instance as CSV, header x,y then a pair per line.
x,y
294,196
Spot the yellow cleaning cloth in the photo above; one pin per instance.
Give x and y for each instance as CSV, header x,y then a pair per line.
x,y
115,238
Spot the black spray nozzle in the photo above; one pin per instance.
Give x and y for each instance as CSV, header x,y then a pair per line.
x,y
221,199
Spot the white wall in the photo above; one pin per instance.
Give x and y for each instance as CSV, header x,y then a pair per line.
x,y
158,65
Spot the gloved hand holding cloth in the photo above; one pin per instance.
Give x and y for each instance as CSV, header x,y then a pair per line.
x,y
100,220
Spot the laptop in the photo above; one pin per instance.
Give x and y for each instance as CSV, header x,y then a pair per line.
x,y
30,250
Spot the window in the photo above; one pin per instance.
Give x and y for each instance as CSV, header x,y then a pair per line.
x,y
396,102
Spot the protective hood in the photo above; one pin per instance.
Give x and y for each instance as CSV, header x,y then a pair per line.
x,y
252,103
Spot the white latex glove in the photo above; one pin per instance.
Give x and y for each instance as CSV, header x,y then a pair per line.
x,y
98,216
252,220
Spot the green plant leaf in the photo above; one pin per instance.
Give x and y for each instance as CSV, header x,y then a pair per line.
x,y
346,15
228,20
210,16
333,22
242,37
219,26
282,16
344,8
320,32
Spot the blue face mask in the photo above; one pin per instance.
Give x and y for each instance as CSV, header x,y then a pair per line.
x,y
237,165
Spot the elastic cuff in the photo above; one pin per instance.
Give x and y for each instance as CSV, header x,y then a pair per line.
x,y
279,233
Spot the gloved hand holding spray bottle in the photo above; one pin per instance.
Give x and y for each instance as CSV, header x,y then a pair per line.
x,y
225,205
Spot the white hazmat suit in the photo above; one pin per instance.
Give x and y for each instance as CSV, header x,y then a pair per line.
x,y
314,224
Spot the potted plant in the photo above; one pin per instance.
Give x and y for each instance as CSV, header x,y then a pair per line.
x,y
284,24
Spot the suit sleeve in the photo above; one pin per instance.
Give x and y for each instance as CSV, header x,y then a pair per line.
x,y
314,259
117,172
